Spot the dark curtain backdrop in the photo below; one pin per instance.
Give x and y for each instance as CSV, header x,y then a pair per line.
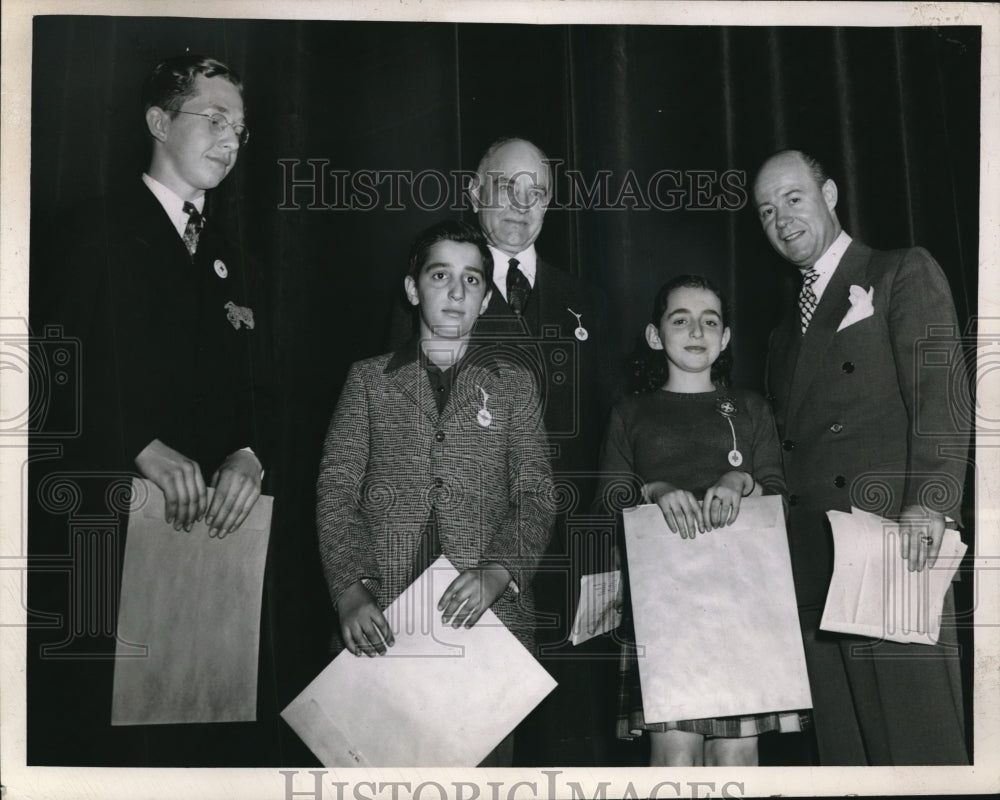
x,y
893,113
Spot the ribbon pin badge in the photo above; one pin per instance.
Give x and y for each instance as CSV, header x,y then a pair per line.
x,y
727,408
220,269
239,315
484,417
580,332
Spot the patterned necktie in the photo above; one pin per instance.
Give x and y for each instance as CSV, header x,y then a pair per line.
x,y
193,228
807,298
518,288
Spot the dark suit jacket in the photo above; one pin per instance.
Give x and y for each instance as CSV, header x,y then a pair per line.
x,y
875,415
389,458
162,354
158,357
575,375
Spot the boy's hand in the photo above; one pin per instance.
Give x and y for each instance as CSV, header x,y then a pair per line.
x,y
722,501
363,626
471,593
680,508
237,486
179,478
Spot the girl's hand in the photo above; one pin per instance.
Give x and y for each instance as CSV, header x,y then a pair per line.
x,y
722,501
471,593
680,508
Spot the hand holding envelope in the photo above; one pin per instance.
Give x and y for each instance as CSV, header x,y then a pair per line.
x,y
189,618
873,593
440,697
732,589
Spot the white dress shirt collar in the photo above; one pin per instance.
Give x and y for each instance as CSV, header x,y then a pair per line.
x,y
827,263
172,204
527,262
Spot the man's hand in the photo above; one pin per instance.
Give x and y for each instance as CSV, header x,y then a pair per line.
x,y
179,478
680,508
363,626
237,487
721,504
471,593
920,533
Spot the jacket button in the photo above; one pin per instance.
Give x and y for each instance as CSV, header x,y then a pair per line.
x,y
788,444
839,481
793,499
836,427
439,436
439,482
848,367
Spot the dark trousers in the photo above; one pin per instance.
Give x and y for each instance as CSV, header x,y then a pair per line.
x,y
880,703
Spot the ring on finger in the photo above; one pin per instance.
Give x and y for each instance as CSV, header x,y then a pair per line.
x,y
928,540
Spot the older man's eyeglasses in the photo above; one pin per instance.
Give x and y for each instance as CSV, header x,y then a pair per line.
x,y
219,123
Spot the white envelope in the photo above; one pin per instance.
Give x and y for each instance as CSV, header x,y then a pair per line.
x,y
596,612
716,622
440,697
189,618
872,593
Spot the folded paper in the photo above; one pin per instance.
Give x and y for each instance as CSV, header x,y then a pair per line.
x,y
716,624
596,612
872,592
189,618
439,697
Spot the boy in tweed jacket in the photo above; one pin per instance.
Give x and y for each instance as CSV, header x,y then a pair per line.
x,y
436,448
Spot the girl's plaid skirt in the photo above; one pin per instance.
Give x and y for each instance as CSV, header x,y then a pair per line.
x,y
631,722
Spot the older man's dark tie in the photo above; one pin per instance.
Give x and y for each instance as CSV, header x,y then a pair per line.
x,y
518,287
193,228
807,298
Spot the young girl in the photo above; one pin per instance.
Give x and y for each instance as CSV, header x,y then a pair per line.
x,y
674,434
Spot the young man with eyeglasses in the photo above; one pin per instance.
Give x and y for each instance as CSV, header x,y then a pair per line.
x,y
172,375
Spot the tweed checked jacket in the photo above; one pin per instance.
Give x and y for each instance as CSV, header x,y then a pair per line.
x,y
390,458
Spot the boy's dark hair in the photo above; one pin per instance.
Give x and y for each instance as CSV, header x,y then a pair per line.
x,y
171,82
451,230
649,368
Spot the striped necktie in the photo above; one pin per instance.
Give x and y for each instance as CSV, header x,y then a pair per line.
x,y
807,298
193,228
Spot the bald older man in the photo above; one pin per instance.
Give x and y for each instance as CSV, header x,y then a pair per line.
x,y
557,323
865,422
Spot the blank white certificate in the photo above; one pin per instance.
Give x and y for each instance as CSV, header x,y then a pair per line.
x,y
189,618
716,623
872,593
440,697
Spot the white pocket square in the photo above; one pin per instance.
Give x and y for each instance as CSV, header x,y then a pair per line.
x,y
862,306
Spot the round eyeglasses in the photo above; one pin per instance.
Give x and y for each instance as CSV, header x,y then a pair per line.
x,y
219,123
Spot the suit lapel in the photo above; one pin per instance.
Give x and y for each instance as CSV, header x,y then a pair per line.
x,y
151,226
831,310
411,379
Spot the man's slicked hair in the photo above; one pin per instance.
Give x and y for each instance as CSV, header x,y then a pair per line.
x,y
816,169
171,82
